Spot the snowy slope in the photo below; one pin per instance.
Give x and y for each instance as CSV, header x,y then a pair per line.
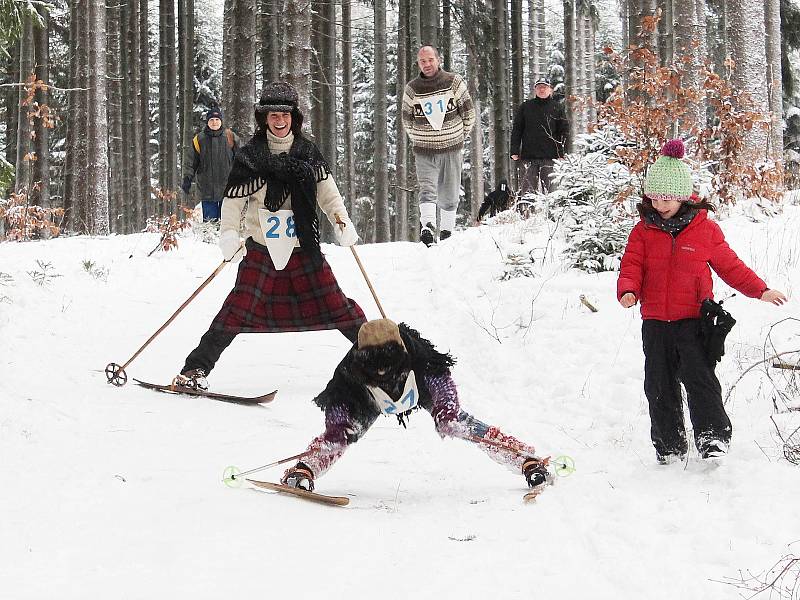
x,y
116,493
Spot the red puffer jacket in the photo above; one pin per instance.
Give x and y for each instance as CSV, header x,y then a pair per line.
x,y
671,277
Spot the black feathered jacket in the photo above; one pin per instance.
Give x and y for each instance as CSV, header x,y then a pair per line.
x,y
348,386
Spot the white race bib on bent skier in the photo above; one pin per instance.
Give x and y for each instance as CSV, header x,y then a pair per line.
x,y
435,108
408,399
280,233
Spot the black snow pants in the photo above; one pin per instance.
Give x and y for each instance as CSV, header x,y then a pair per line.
x,y
674,354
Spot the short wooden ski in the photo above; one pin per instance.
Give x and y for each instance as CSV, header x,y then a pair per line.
x,y
301,493
169,389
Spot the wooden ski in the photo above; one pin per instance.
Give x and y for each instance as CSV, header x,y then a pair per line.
x,y
301,493
168,389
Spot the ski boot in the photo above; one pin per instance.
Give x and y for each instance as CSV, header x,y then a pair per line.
x,y
299,476
536,473
191,380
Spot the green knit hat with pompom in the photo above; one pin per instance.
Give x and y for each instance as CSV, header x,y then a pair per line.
x,y
669,177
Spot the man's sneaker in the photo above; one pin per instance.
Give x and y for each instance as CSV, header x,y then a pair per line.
x,y
536,473
713,449
426,234
191,380
669,459
444,234
299,476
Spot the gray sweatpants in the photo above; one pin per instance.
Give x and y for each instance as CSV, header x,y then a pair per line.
x,y
439,177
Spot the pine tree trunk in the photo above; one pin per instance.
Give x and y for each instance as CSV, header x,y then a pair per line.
x,y
415,27
476,174
401,156
315,117
570,74
537,55
686,34
348,166
167,108
23,168
41,167
517,60
297,17
270,31
69,120
580,69
97,118
116,171
186,33
144,126
500,92
429,22
666,28
590,20
380,161
746,34
772,15
445,38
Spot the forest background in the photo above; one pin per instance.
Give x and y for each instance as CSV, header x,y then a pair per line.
x,y
99,101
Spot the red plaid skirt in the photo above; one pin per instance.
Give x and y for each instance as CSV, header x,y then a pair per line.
x,y
301,297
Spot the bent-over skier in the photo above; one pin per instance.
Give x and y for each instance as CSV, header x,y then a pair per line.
x,y
391,370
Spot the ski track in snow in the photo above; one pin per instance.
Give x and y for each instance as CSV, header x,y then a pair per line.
x,y
116,492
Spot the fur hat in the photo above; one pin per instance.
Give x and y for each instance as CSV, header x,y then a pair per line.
x,y
277,96
669,177
379,333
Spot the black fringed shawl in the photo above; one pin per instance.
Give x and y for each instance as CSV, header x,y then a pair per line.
x,y
296,173
346,389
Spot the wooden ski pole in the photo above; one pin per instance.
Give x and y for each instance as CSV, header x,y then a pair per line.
x,y
369,283
116,373
342,225
233,476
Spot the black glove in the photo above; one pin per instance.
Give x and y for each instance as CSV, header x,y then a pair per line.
x,y
715,325
187,184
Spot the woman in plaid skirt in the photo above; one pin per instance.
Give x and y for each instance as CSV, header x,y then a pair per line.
x,y
284,282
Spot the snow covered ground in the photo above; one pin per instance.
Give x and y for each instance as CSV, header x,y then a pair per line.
x,y
116,492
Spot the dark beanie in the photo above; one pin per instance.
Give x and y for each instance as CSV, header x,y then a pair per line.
x,y
215,112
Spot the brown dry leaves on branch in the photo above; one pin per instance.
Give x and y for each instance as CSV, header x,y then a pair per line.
x,y
169,227
658,97
28,221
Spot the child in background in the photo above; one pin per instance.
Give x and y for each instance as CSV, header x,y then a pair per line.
x,y
665,268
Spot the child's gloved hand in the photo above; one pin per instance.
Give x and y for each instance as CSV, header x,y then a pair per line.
x,y
774,297
628,299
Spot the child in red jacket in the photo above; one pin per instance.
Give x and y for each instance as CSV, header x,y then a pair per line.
x,y
665,268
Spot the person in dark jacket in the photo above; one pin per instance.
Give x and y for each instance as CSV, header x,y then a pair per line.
x,y
538,137
496,201
665,267
393,370
209,160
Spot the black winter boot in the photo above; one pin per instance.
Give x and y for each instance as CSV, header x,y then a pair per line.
x,y
426,234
